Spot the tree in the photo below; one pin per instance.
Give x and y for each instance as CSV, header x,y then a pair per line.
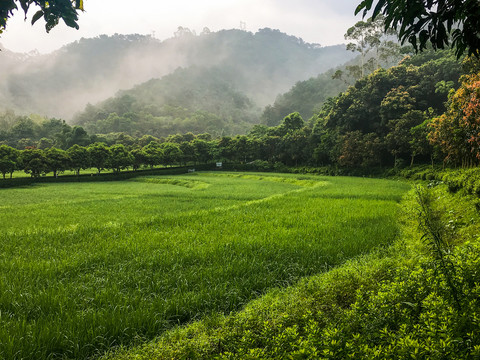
x,y
395,104
51,11
188,152
147,139
57,160
78,136
240,148
24,128
292,147
365,36
119,158
360,150
291,123
34,162
328,149
431,21
419,144
457,132
44,143
80,158
8,160
351,149
152,154
368,37
138,157
399,137
269,148
170,153
202,151
99,155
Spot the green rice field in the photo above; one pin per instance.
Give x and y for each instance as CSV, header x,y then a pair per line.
x,y
85,267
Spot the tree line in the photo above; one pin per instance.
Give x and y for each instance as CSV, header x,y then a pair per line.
x,y
407,114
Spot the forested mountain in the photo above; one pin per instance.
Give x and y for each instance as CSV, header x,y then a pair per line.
x,y
308,96
260,65
196,99
304,97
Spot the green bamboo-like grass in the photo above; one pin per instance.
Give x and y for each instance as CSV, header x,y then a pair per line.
x,y
88,266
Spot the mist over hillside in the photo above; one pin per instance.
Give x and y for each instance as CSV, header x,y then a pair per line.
x,y
59,84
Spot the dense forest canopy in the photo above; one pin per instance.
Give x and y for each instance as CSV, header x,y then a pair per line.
x,y
374,49
392,117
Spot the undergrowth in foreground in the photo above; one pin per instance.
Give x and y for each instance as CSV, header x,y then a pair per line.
x,y
88,266
392,304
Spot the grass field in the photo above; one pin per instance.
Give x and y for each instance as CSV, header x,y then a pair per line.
x,y
88,266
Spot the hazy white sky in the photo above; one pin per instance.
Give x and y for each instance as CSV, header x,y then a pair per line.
x,y
315,21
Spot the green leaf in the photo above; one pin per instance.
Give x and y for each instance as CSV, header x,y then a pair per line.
x,y
37,16
365,4
378,8
71,23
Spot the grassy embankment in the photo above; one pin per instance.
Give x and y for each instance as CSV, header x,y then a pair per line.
x,y
88,266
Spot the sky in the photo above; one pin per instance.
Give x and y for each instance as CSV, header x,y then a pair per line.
x,y
315,21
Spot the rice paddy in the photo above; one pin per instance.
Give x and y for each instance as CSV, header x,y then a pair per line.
x,y
85,267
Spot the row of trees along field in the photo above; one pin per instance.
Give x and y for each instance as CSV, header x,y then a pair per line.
x,y
401,115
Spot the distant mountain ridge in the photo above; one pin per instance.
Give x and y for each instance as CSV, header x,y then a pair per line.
x,y
259,66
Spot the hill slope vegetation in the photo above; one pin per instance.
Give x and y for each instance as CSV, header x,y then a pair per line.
x,y
90,70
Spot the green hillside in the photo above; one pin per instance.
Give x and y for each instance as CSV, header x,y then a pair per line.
x,y
260,65
194,100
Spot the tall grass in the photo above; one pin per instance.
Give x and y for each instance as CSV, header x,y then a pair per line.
x,y
84,267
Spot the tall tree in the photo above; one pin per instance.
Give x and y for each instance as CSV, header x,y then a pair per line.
x,y
366,36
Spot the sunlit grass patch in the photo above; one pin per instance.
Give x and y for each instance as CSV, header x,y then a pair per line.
x,y
283,178
188,183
